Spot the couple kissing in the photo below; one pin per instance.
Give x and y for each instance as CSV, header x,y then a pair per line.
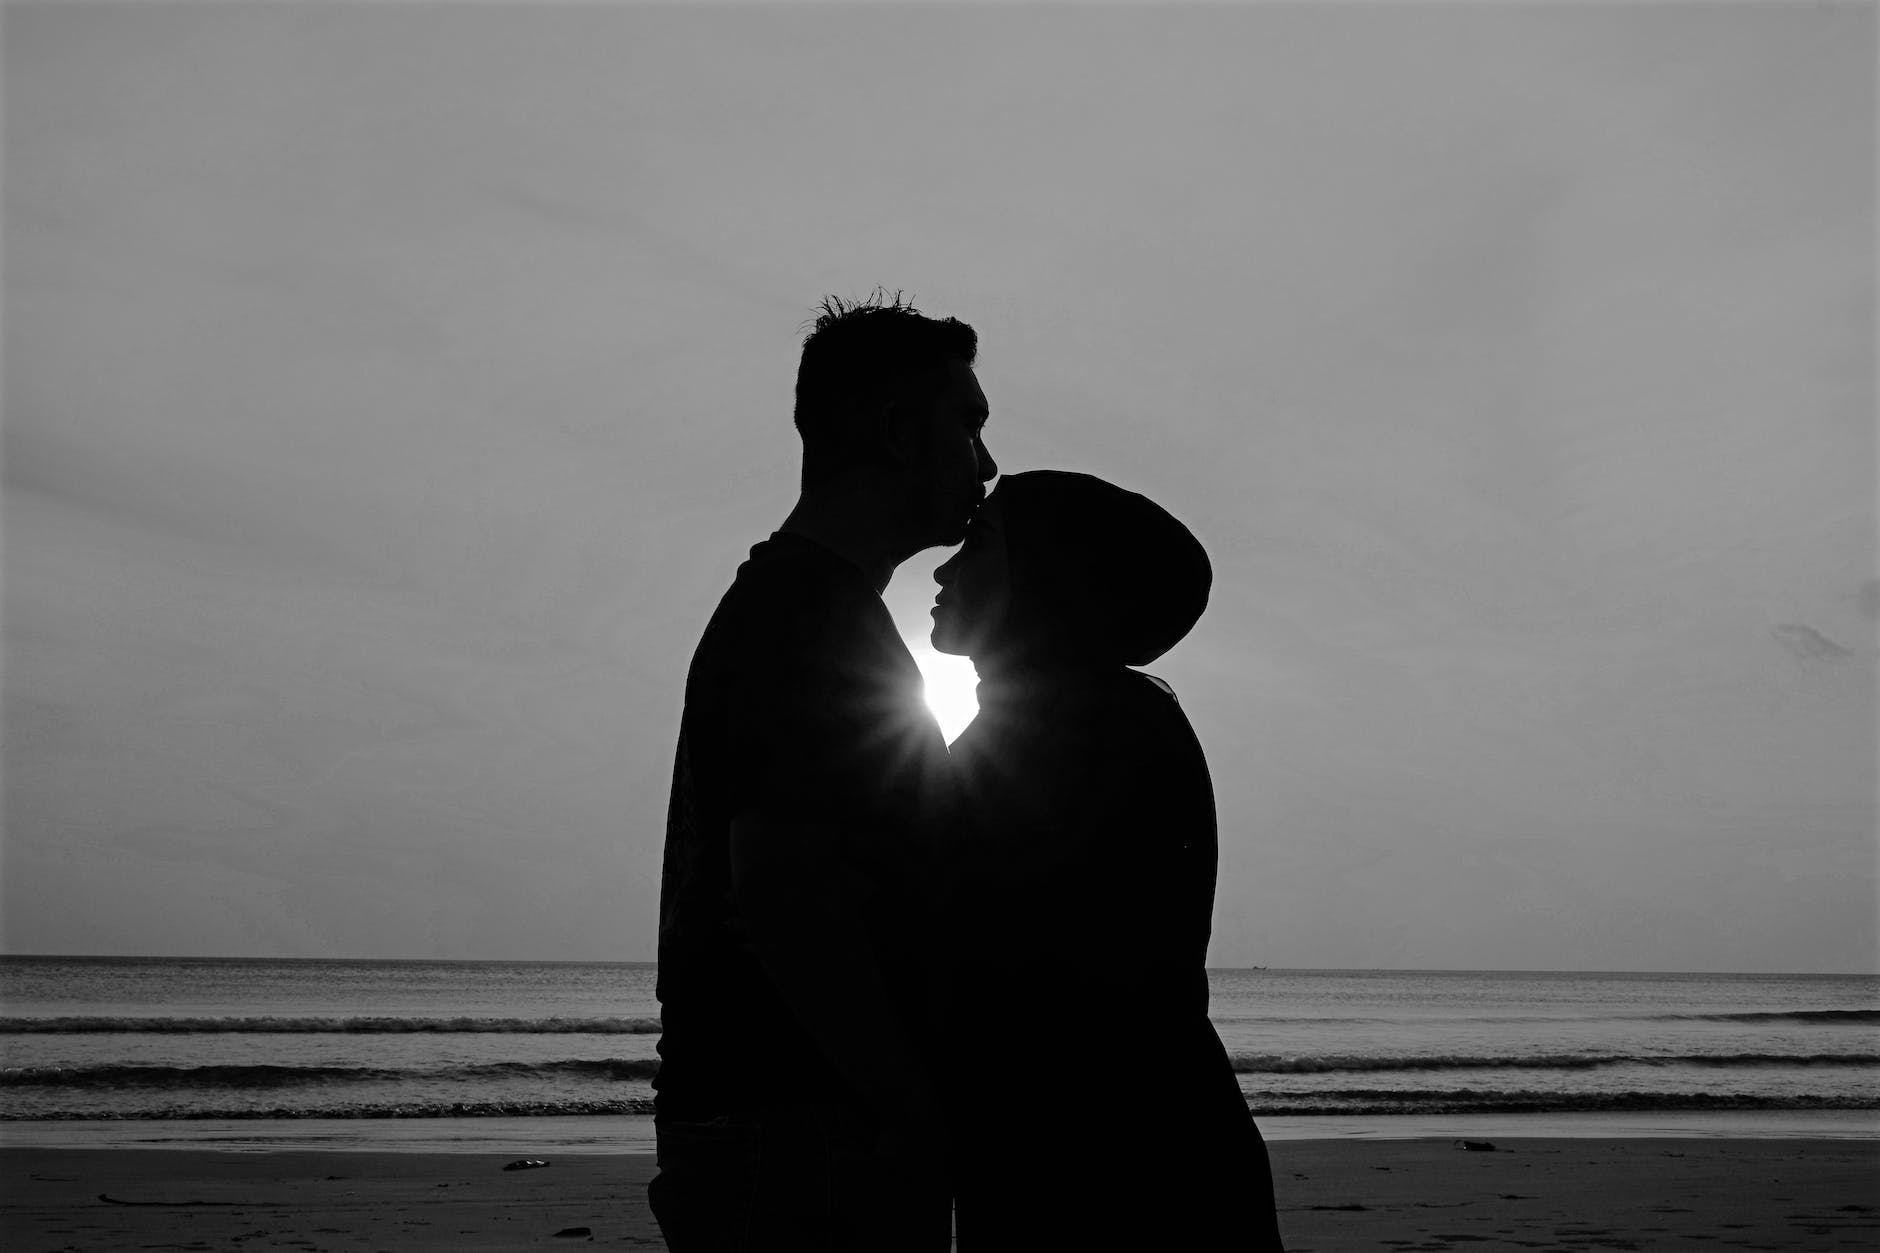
x,y
874,951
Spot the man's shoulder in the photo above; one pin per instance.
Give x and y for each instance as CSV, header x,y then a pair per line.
x,y
792,598
784,571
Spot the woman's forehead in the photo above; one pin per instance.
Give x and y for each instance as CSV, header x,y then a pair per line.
x,y
989,517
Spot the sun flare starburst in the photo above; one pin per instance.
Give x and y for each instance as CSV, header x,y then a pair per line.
x,y
948,683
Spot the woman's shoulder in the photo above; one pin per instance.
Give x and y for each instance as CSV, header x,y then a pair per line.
x,y
1124,711
1143,704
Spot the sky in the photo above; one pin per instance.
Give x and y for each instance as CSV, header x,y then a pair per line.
x,y
391,390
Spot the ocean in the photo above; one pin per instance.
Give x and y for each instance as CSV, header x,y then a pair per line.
x,y
106,1040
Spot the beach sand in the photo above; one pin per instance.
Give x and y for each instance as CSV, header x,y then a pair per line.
x,y
1334,1195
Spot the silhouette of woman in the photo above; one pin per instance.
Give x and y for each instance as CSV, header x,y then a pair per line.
x,y
1086,890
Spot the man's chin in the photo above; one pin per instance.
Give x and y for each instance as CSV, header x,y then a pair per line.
x,y
956,527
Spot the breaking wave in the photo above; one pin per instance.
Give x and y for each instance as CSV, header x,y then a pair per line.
x,y
1255,1064
1497,1101
402,1109
270,1076
331,1026
115,1076
1374,1101
1779,1015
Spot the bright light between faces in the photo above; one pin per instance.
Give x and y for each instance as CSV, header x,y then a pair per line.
x,y
949,690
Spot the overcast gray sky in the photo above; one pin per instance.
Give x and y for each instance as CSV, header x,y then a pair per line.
x,y
391,391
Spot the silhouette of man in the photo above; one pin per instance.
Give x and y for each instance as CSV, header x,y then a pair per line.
x,y
794,1108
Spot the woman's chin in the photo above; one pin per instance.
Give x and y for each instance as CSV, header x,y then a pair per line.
x,y
945,636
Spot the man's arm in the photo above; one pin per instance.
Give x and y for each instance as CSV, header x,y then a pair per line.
x,y
801,908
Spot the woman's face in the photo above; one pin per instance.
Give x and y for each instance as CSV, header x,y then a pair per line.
x,y
975,588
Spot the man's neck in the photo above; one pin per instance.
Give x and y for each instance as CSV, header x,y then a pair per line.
x,y
850,526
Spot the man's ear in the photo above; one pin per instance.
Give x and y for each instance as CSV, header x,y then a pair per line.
x,y
900,440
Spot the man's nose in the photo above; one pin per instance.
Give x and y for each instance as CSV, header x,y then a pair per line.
x,y
943,573
988,468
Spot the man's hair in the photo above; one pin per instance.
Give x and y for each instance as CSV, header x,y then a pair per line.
x,y
860,352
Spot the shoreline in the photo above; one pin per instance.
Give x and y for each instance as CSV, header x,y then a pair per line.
x,y
528,1135
1335,1196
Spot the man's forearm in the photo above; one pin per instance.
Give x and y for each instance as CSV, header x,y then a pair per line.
x,y
801,908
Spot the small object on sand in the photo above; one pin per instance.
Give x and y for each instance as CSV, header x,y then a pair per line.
x,y
526,1163
575,1231
1476,1146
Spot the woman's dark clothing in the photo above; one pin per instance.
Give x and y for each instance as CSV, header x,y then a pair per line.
x,y
1086,902
1087,908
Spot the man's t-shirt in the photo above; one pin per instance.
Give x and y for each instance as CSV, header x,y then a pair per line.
x,y
802,705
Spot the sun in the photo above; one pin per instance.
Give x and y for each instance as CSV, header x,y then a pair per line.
x,y
949,683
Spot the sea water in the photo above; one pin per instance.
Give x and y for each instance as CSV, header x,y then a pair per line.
x,y
198,1039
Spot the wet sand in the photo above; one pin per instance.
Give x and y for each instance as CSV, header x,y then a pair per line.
x,y
1335,1196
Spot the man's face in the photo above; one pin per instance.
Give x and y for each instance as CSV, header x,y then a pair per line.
x,y
953,466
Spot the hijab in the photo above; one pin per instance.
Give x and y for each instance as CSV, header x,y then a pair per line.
x,y
1076,757
1099,577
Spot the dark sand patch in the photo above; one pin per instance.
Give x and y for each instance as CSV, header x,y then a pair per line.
x,y
1580,1195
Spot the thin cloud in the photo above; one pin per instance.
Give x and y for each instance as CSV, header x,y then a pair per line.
x,y
1808,645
